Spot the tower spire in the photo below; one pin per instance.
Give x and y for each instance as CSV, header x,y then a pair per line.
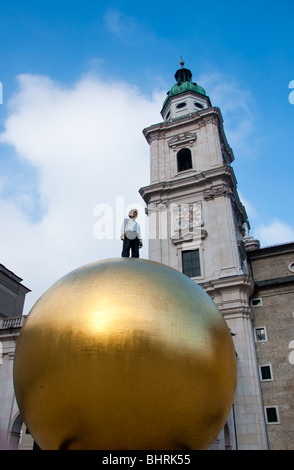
x,y
185,96
183,75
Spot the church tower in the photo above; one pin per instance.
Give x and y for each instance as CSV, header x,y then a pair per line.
x,y
198,225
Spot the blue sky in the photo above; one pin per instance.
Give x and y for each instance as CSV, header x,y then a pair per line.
x,y
82,79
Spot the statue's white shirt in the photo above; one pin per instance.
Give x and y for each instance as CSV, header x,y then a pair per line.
x,y
131,229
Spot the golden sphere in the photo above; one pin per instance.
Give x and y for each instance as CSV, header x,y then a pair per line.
x,y
125,354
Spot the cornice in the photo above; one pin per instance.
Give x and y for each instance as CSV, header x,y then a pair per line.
x,y
201,118
274,250
212,183
220,291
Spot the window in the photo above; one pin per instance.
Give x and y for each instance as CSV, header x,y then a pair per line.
x,y
265,372
191,263
291,267
184,159
181,105
271,415
199,105
260,334
256,302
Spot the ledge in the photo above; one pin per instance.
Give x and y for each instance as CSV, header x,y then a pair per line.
x,y
274,282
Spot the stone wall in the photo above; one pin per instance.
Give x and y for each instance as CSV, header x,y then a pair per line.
x,y
273,306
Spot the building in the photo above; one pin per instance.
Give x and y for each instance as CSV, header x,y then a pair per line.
x,y
198,225
272,269
12,297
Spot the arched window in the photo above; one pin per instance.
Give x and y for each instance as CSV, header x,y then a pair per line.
x,y
14,434
184,159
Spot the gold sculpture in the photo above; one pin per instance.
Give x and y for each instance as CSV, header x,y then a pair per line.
x,y
125,354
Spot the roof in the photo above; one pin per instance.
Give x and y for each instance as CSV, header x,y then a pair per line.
x,y
184,83
12,276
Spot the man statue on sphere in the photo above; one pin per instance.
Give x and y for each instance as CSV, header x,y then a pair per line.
x,y
131,235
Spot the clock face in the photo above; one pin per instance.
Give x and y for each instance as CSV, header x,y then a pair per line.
x,y
189,216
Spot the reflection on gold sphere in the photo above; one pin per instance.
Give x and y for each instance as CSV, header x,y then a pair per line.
x,y
125,354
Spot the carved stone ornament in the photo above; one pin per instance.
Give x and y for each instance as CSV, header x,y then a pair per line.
x,y
155,136
186,138
208,120
187,236
221,190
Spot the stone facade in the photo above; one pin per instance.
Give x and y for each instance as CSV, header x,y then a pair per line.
x,y
273,304
12,297
12,294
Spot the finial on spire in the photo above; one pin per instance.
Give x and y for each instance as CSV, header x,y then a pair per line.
x,y
183,75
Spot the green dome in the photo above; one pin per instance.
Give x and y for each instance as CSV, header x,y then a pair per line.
x,y
184,83
182,88
186,86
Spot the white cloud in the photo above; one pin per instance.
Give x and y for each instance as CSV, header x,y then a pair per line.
x,y
118,23
124,27
275,232
238,108
87,145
